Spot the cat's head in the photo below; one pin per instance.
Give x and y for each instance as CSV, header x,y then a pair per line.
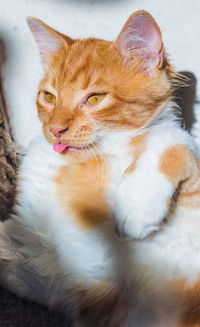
x,y
93,87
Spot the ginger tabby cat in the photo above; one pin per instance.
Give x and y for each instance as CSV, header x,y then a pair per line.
x,y
107,216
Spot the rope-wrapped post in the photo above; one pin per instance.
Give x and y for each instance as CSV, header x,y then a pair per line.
x,y
9,162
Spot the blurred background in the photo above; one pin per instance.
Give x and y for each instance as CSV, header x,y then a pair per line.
x,y
21,70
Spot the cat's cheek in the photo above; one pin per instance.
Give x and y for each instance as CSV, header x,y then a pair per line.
x,y
44,116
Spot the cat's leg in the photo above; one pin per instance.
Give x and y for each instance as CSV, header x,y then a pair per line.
x,y
145,194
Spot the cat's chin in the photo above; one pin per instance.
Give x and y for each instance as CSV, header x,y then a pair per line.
x,y
73,156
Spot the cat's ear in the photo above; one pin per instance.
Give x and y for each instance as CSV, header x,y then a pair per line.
x,y
49,41
141,36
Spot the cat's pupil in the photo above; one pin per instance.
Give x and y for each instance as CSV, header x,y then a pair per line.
x,y
49,97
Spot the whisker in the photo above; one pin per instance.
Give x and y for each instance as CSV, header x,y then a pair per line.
x,y
93,154
102,160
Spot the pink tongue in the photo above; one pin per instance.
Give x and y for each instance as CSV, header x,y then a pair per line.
x,y
60,147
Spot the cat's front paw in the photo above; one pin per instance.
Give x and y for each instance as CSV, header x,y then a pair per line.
x,y
135,228
137,212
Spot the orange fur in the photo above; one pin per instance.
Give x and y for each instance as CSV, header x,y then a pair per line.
x,y
189,297
105,301
178,163
189,192
137,148
84,185
96,66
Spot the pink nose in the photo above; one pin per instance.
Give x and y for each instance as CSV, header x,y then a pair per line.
x,y
58,130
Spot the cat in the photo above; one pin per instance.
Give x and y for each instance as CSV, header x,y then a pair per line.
x,y
107,217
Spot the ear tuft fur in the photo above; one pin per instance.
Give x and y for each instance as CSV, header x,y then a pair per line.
x,y
49,41
141,36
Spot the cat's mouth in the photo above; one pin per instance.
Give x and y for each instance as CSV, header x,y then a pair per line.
x,y
61,147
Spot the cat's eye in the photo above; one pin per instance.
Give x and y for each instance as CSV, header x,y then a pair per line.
x,y
50,98
94,99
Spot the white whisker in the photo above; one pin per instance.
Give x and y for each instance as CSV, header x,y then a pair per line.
x,y
102,160
93,154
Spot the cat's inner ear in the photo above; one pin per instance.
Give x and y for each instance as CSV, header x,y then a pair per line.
x,y
49,41
141,37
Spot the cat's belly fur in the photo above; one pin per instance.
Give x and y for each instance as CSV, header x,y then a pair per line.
x,y
87,255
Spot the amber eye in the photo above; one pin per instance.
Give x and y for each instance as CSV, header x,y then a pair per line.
x,y
50,98
94,99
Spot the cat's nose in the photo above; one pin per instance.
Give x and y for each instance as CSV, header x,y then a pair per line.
x,y
58,130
